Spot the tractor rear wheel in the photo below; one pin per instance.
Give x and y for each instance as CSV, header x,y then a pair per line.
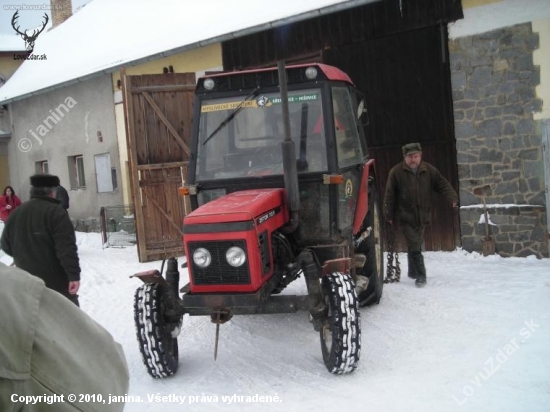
x,y
341,332
158,348
373,249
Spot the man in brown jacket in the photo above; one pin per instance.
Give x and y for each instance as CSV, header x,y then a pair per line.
x,y
408,202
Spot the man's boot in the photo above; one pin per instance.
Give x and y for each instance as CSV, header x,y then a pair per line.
x,y
420,269
410,260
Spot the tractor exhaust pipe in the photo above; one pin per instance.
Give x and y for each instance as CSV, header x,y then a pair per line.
x,y
289,157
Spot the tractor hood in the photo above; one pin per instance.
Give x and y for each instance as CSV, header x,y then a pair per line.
x,y
242,206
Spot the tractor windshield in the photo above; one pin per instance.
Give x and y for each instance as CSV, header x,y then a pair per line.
x,y
249,142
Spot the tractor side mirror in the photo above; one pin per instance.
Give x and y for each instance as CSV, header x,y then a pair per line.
x,y
362,110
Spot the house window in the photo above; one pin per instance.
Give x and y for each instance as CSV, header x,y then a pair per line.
x,y
113,177
76,172
104,173
41,167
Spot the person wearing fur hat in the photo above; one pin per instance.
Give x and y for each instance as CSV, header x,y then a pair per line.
x,y
408,202
40,237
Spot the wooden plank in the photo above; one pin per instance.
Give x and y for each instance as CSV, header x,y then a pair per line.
x,y
163,137
161,116
134,178
142,142
164,245
159,181
158,255
165,88
152,122
173,116
163,165
163,213
164,224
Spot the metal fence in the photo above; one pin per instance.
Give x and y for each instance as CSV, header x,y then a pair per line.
x,y
118,226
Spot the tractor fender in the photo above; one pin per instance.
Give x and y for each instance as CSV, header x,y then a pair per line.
x,y
150,277
342,265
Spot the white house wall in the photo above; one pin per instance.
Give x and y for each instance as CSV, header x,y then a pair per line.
x,y
541,58
37,136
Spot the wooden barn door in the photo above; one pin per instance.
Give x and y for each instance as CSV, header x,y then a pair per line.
x,y
406,81
158,110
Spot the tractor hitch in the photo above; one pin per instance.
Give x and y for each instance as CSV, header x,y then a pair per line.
x,y
219,317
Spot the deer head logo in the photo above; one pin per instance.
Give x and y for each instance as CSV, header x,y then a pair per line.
x,y
29,40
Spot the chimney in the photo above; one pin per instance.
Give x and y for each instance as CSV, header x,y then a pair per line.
x,y
61,11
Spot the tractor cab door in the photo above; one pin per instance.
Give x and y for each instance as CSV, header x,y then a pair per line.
x,y
351,153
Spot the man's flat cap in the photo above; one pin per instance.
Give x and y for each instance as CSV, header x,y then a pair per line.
x,y
411,148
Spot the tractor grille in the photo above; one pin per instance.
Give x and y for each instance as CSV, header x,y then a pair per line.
x,y
219,272
264,252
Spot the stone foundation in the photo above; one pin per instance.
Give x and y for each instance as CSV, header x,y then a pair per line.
x,y
518,231
499,147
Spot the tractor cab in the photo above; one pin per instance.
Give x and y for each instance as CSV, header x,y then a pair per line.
x,y
239,130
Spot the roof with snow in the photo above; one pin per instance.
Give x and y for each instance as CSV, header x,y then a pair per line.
x,y
107,34
496,15
11,43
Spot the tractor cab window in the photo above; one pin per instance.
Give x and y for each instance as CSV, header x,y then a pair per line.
x,y
242,138
348,142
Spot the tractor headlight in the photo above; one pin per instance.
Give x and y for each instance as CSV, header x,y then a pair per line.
x,y
235,256
202,257
311,73
209,84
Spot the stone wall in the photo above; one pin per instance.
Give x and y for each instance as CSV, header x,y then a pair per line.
x,y
499,148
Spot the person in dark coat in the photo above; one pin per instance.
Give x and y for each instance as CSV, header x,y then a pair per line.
x,y
8,202
40,237
62,195
408,203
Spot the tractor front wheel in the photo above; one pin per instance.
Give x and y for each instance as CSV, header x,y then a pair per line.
x,y
341,332
159,349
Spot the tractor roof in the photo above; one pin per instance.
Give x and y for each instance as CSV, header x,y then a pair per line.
x,y
248,79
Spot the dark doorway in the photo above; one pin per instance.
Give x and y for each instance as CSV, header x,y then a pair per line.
x,y
406,81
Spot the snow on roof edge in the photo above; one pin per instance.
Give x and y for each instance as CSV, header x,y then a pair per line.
x,y
344,5
498,206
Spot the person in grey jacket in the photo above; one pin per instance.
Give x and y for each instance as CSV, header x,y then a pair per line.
x,y
408,202
40,237
51,350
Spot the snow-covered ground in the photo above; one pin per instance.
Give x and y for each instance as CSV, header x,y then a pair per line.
x,y
475,339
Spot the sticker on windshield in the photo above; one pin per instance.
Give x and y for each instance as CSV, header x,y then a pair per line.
x,y
298,98
263,101
227,106
349,189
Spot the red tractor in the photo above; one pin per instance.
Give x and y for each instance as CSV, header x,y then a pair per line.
x,y
281,188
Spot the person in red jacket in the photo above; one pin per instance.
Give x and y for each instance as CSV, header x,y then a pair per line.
x,y
8,202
